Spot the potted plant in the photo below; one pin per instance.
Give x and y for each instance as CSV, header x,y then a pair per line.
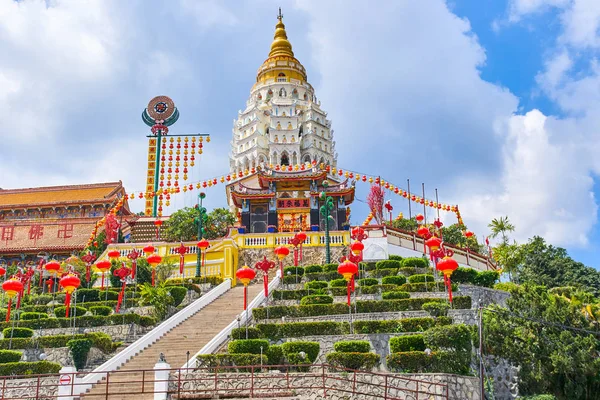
x,y
271,229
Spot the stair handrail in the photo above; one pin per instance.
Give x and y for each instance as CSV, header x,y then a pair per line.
x,y
122,357
220,337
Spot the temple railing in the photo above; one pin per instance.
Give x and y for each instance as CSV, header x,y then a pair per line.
x,y
271,240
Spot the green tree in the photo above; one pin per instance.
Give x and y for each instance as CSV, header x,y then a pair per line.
x,y
181,225
406,224
509,257
454,235
158,297
534,333
500,226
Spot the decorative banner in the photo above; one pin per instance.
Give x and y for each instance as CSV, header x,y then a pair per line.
x,y
151,172
293,203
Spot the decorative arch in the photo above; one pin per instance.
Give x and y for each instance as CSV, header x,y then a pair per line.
x,y
306,158
282,92
259,97
285,159
269,94
295,93
262,159
294,158
305,96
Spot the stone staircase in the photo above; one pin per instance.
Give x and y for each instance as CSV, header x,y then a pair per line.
x,y
190,336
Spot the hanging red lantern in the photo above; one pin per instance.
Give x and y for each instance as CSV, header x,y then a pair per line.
x,y
154,260
70,282
2,271
265,265
133,256
357,247
245,275
12,287
419,217
181,250
52,267
148,249
348,269
468,234
281,252
433,243
114,254
203,244
122,273
423,231
103,266
302,237
447,266
158,223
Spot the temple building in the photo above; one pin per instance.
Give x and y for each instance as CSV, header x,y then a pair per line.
x,y
284,140
54,221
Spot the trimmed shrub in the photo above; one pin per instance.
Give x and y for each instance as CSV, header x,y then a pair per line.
x,y
315,285
213,280
299,329
310,348
367,282
338,283
464,275
17,333
388,264
539,397
33,315
487,278
508,286
29,368
240,333
108,295
275,355
461,302
9,356
380,273
87,321
420,278
426,287
78,311
395,295
393,280
86,295
353,346
457,337
294,270
43,299
313,269
100,310
338,291
331,267
368,265
407,271
436,309
79,351
289,279
99,340
248,346
369,306
412,361
418,324
178,293
395,257
415,262
289,294
231,360
324,276
375,289
316,299
407,343
354,361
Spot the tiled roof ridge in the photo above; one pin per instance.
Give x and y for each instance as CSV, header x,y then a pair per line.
x,y
117,184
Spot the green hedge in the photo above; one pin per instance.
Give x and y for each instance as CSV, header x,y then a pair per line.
x,y
275,355
20,332
293,270
32,315
354,361
315,285
457,337
299,329
420,278
415,262
313,269
436,309
388,264
240,333
487,278
100,310
231,360
10,356
316,299
178,293
352,346
99,340
418,324
310,348
412,361
291,279
213,280
367,282
368,265
338,291
395,257
393,280
370,306
426,287
324,276
248,346
61,312
79,351
474,277
331,267
407,343
289,294
376,289
380,273
338,283
29,368
85,321
461,302
395,295
407,271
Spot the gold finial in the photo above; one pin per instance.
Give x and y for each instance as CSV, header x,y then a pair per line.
x,y
281,45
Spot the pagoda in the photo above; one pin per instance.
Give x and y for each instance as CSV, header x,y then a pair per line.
x,y
283,152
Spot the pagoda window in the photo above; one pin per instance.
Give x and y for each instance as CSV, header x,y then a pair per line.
x,y
285,160
306,158
295,94
291,111
8,233
300,131
258,219
320,145
281,77
318,120
290,126
283,114
294,158
282,92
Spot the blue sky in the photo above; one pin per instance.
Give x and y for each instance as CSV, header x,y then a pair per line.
x,y
495,103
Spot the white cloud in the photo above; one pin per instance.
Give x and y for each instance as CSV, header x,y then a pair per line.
x,y
518,8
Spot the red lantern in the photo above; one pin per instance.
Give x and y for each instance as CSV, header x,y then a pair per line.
x,y
148,249
154,260
357,247
447,266
103,266
423,231
281,252
419,217
468,234
12,287
302,238
433,243
114,254
122,273
89,258
52,267
203,244
181,250
70,283
2,271
348,269
158,223
245,275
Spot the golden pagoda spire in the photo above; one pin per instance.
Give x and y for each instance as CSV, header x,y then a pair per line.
x,y
281,46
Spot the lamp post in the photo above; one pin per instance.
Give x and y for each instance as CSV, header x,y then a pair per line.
x,y
199,220
326,209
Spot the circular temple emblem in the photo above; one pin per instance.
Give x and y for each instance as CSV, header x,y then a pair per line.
x,y
161,108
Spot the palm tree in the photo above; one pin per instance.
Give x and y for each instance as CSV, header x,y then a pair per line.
x,y
500,226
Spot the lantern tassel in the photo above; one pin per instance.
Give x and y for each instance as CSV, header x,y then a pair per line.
x,y
301,252
245,296
120,298
67,304
133,268
8,311
181,261
449,284
28,286
266,284
348,286
295,256
19,300
102,280
87,272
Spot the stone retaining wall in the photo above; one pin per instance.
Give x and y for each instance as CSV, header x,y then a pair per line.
x,y
28,388
62,355
116,332
483,296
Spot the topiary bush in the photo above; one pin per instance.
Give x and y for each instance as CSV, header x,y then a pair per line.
x,y
331,267
240,333
395,295
487,278
178,293
368,265
248,346
367,282
100,310
393,280
86,295
426,287
313,269
461,302
420,278
407,271
229,360
412,361
78,311
436,309
415,262
418,324
299,329
289,279
315,285
354,361
353,346
9,356
33,315
79,351
293,270
375,289
407,343
290,294
108,294
275,355
388,264
338,283
395,257
457,337
29,368
17,333
294,348
380,273
316,299
464,275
